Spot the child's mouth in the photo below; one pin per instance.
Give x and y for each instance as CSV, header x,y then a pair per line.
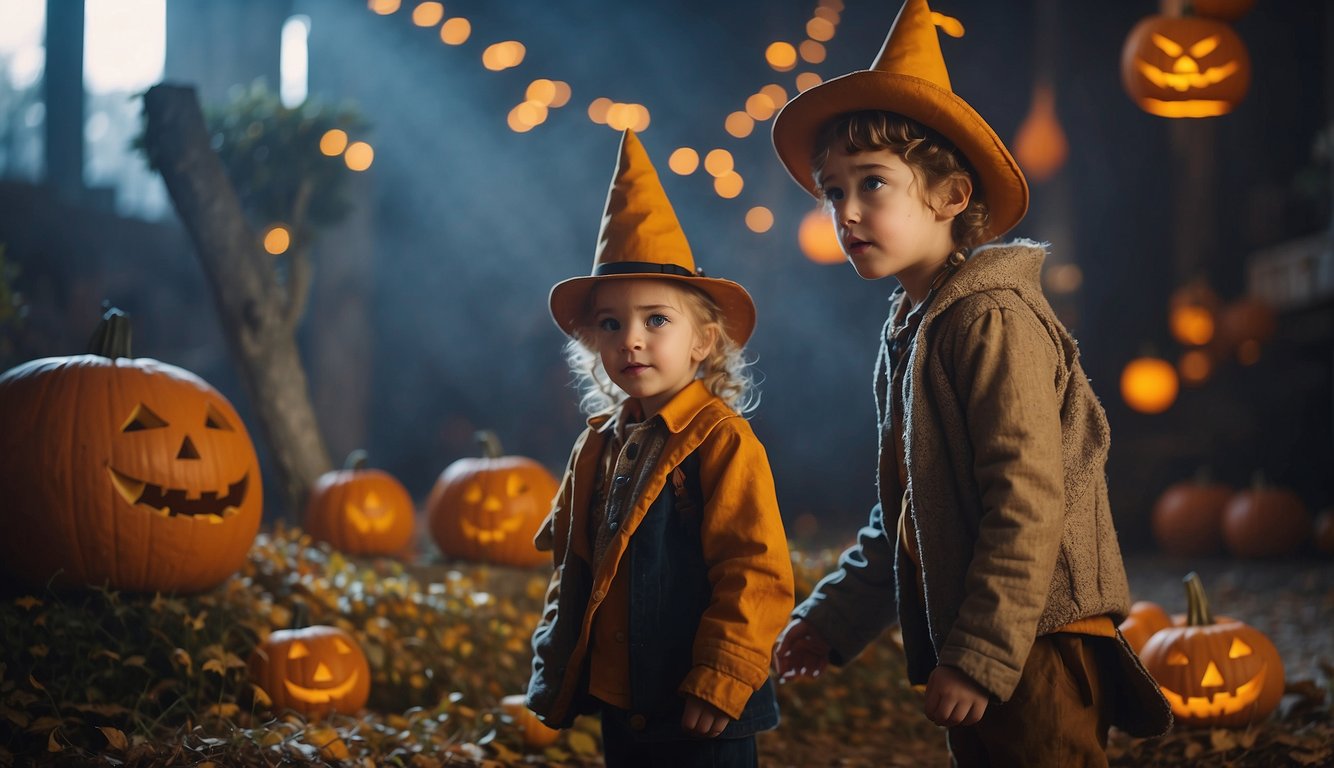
x,y
634,369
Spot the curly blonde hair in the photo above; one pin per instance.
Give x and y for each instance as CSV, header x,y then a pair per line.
x,y
725,372
930,155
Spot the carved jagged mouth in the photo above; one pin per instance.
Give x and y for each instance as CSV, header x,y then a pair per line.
x,y
1218,703
212,506
322,695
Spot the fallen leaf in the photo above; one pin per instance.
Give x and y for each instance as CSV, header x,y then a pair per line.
x,y
115,737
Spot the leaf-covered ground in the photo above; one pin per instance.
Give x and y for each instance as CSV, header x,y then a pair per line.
x,y
100,678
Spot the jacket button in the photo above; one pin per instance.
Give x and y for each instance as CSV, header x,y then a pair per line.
x,y
637,722
620,480
613,525
598,595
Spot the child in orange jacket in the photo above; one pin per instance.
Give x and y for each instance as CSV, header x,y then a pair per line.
x,y
673,576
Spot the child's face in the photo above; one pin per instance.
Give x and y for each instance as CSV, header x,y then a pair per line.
x,y
880,211
647,339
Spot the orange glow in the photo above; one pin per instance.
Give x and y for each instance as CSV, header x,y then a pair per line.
x,y
501,56
456,31
562,96
1248,352
718,162
277,240
383,7
359,156
684,161
948,24
1149,384
760,106
759,219
739,124
812,52
781,56
818,239
775,92
828,13
1064,278
728,185
428,14
333,142
639,117
808,80
1183,67
598,109
1040,145
1191,324
516,121
820,29
532,112
1195,367
542,91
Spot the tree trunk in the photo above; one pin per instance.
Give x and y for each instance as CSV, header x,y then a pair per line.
x,y
259,315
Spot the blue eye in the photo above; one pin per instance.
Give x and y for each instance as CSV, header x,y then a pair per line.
x,y
832,194
658,321
873,183
609,324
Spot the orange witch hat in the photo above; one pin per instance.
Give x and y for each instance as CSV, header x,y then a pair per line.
x,y
641,237
908,77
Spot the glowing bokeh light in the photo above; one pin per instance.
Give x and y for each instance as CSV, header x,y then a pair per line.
x,y
818,239
598,109
428,14
820,28
781,56
776,93
383,7
759,219
739,125
728,185
718,162
1149,384
562,96
333,142
760,106
542,91
456,31
359,156
1195,367
504,55
808,80
277,240
684,161
812,52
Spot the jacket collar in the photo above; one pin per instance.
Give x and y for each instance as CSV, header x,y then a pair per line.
x,y
1015,266
677,414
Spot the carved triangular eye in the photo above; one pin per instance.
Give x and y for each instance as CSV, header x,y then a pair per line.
x,y
1167,46
515,486
142,418
342,647
1204,47
215,420
1212,677
298,651
473,493
1177,659
1238,649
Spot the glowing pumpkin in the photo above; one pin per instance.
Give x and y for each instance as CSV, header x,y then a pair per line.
x,y
360,511
1185,67
1214,673
126,472
488,509
313,671
535,733
1265,521
1143,622
1187,519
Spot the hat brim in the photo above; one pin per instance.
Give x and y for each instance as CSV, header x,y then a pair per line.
x,y
798,125
569,300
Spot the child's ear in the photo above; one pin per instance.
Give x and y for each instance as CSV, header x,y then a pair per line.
x,y
954,195
705,340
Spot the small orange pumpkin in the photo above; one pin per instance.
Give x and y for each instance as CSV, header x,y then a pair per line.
x,y
536,734
489,509
123,471
313,670
360,511
1265,521
1185,67
1187,519
1214,672
1143,622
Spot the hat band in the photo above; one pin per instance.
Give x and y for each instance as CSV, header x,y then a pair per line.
x,y
639,267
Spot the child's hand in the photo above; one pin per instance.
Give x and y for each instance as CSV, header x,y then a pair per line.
x,y
800,651
702,718
952,698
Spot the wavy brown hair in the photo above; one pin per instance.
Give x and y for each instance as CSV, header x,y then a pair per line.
x,y
932,157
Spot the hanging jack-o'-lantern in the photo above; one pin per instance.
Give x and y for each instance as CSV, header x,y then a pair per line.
x,y
360,511
490,508
1185,67
1220,672
126,472
312,670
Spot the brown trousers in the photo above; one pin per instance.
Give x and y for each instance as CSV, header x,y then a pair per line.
x,y
1057,717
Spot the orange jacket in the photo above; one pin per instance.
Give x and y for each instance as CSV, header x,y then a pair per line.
x,y
744,548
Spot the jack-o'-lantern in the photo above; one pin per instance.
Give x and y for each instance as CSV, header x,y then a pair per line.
x,y
312,670
360,511
1185,67
490,508
1143,622
1265,521
535,733
1187,519
126,472
1214,672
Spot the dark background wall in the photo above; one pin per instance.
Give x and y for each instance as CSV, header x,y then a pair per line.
x,y
429,316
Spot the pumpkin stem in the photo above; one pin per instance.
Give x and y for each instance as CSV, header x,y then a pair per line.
x,y
1197,604
490,443
300,614
357,459
111,338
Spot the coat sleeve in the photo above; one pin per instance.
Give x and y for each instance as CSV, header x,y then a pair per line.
x,y
1004,365
749,567
852,605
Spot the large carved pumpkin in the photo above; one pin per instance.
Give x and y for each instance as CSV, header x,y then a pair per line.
x,y
489,508
128,472
1214,672
360,511
312,670
1185,67
1265,521
1188,518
